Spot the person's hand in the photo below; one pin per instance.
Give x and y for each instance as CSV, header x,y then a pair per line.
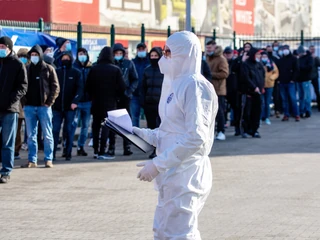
x,y
245,57
257,90
263,91
46,105
74,106
148,172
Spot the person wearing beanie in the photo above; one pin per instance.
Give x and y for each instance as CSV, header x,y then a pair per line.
x,y
64,108
151,91
306,63
253,78
84,65
288,76
43,89
131,79
13,86
63,45
105,85
141,61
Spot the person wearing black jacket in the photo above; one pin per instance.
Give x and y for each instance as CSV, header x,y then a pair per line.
x,y
151,91
131,80
13,86
71,91
305,70
84,65
63,45
288,75
253,77
315,74
105,85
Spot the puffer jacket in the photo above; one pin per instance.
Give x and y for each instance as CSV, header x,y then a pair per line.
x,y
271,76
219,70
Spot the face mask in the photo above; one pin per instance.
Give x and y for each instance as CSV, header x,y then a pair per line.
x,y
3,53
204,58
68,47
154,61
23,60
280,52
165,65
82,58
34,59
286,52
210,53
257,59
66,63
50,54
275,49
118,58
264,60
142,54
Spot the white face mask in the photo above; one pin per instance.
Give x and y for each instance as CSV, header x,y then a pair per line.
x,y
280,52
34,59
257,59
286,52
50,54
165,65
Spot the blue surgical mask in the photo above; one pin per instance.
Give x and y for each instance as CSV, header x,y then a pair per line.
x,y
286,52
34,59
3,53
210,53
68,47
257,59
142,54
280,52
82,58
275,49
204,58
264,60
23,60
118,58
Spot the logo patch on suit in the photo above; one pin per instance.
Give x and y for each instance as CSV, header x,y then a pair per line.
x,y
170,98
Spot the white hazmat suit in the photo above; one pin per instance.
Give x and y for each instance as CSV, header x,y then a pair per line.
x,y
188,108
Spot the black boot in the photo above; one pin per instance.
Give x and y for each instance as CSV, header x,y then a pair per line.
x,y
111,150
127,151
64,153
81,152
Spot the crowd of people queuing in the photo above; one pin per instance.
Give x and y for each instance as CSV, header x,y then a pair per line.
x,y
49,90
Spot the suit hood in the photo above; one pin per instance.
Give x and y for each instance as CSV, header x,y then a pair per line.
x,y
106,55
158,50
218,51
252,54
117,47
38,50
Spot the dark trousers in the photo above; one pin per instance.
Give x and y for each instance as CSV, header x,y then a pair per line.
x,y
99,133
277,100
252,113
315,84
123,103
18,143
220,115
233,100
152,116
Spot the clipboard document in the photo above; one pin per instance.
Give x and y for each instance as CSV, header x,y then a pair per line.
x,y
120,122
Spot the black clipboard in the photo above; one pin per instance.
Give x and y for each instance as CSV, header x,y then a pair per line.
x,y
134,139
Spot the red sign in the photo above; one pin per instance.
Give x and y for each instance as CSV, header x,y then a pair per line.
x,y
243,16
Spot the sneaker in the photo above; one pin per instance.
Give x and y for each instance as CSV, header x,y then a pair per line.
x,y
256,135
127,152
29,165
221,136
285,118
90,144
297,118
68,157
64,153
81,152
24,146
106,157
49,164
268,122
277,114
17,156
302,115
4,179
110,152
308,114
244,135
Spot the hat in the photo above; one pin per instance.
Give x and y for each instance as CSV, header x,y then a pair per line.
x,y
235,52
6,41
286,47
227,50
23,52
44,47
60,41
141,45
301,50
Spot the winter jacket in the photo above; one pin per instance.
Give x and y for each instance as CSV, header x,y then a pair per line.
x,y
305,68
71,88
84,69
49,83
13,83
140,64
205,70
129,72
105,83
219,70
315,70
252,74
232,80
288,69
271,76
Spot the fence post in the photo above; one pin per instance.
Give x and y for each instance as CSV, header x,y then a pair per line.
x,y
79,35
112,35
302,38
234,40
41,24
169,31
143,33
214,35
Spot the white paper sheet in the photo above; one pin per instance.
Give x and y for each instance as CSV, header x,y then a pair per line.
x,y
122,118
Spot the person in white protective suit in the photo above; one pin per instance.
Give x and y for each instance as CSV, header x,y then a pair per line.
x,y
188,108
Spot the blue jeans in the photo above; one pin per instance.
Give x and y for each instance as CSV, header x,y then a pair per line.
x,y
266,100
44,116
83,112
135,110
8,130
68,117
304,97
288,91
